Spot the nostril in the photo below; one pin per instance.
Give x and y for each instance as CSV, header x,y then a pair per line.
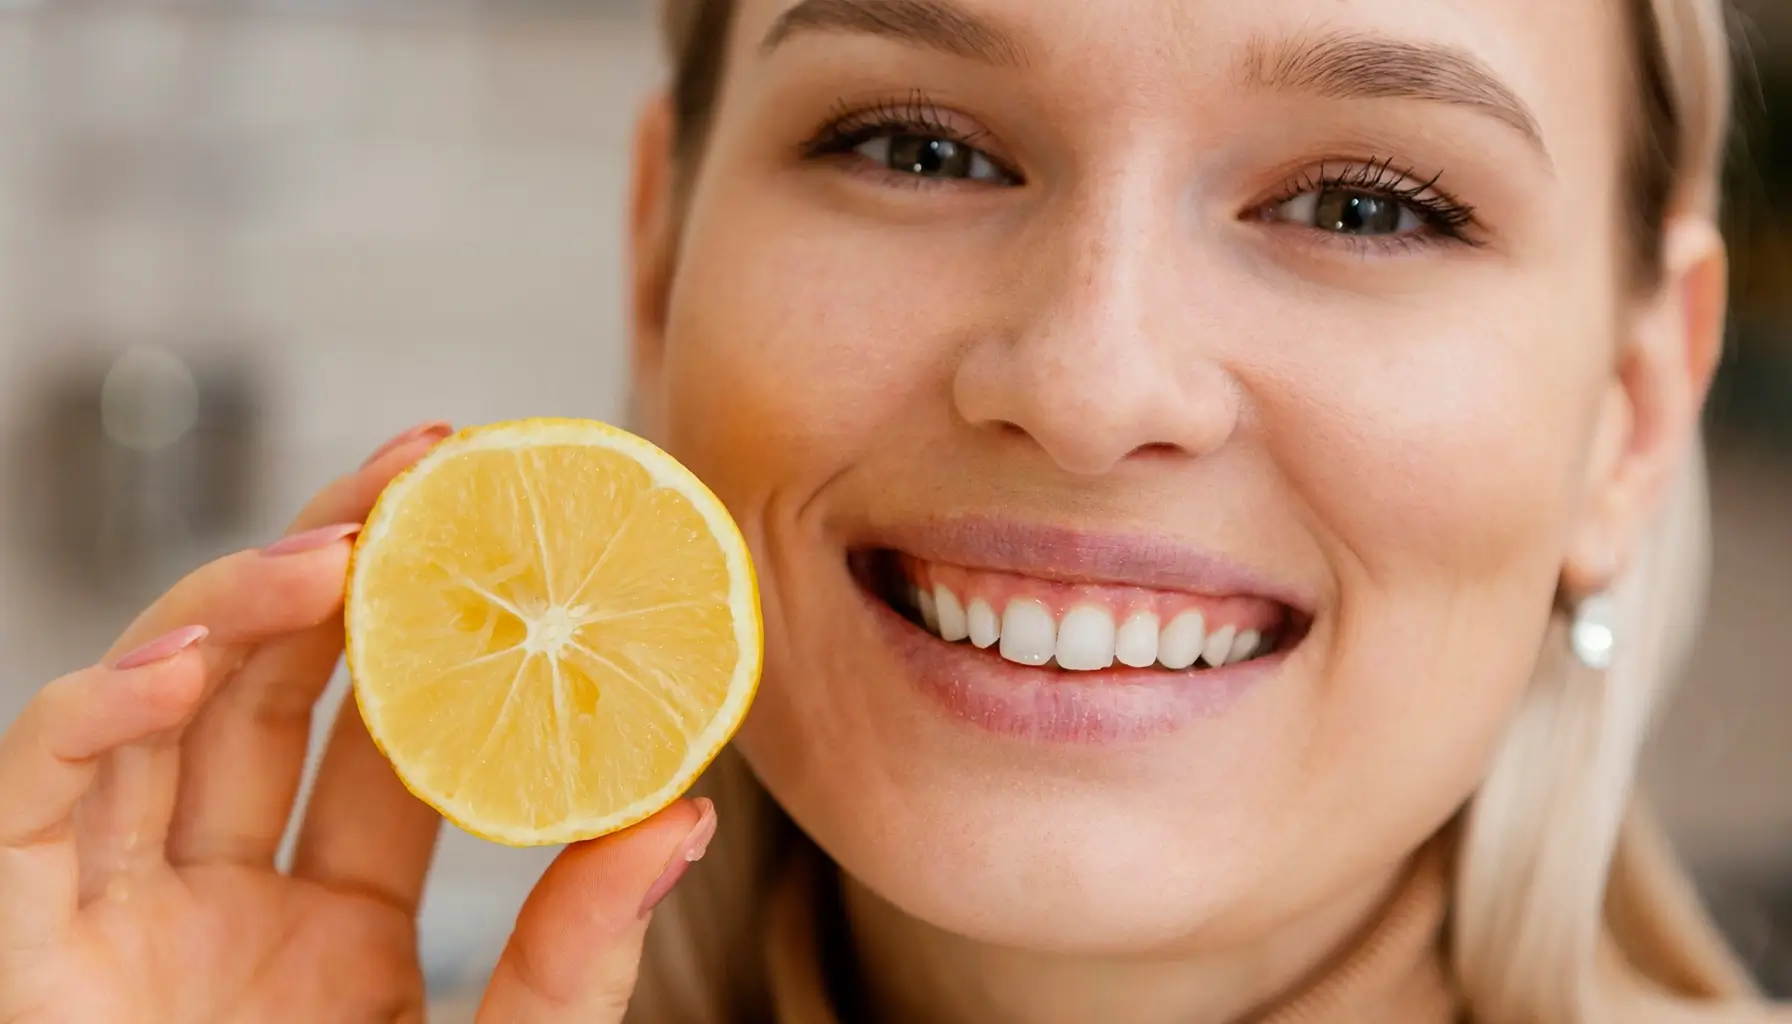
x,y
1156,448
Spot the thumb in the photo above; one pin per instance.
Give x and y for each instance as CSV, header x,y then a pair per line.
x,y
577,944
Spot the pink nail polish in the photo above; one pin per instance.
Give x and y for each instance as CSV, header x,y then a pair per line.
x,y
311,540
435,428
695,845
162,649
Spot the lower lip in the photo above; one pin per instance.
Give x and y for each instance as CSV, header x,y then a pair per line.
x,y
1049,706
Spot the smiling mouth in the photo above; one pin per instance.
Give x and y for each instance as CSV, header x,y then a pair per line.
x,y
1078,628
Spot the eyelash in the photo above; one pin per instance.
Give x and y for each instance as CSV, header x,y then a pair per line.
x,y
1447,219
851,127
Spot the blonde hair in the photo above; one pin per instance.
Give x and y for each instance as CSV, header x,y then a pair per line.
x,y
1561,873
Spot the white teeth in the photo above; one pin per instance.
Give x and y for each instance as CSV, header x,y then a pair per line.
x,y
1180,644
954,626
981,620
1245,647
1029,636
929,614
1136,645
1219,646
1085,639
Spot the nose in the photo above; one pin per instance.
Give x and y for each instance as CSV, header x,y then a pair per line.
x,y
1111,361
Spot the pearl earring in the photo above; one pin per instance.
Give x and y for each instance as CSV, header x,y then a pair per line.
x,y
1594,632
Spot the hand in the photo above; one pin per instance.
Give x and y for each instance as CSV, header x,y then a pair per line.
x,y
143,801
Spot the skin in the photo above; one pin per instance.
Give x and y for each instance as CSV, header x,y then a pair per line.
x,y
1427,442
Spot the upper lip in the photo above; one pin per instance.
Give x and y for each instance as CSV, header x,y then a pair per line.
x,y
1070,555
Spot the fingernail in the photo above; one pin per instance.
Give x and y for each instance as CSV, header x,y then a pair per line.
x,y
162,649
435,428
695,845
311,540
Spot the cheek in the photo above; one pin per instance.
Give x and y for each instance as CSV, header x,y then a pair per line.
x,y
786,360
1440,460
793,358
1445,442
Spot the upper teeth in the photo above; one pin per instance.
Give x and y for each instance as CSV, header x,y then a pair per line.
x,y
1086,638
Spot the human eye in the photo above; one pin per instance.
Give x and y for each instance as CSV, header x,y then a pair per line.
x,y
909,141
1372,204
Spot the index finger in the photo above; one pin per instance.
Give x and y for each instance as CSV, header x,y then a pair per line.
x,y
345,501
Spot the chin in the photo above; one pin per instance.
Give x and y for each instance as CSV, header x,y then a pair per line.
x,y
1062,875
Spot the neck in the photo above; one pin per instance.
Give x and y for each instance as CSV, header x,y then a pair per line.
x,y
909,970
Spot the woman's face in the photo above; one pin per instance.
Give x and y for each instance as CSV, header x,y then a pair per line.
x,y
1284,338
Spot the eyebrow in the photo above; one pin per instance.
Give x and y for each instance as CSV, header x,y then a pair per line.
x,y
1338,66
934,24
1352,66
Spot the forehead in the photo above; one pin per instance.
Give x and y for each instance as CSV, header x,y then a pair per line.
x,y
1561,64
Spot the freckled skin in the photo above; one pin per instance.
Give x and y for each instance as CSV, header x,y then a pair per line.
x,y
1418,436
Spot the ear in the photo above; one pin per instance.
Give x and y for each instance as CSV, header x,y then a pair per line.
x,y
653,246
1653,406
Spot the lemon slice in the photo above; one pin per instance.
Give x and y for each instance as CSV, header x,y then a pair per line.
x,y
553,628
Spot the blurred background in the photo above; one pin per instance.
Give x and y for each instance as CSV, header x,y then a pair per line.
x,y
244,241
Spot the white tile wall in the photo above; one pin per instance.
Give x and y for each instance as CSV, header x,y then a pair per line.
x,y
438,233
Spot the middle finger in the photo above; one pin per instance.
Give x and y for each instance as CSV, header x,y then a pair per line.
x,y
244,755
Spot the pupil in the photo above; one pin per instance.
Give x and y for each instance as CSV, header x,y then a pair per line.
x,y
930,157
1358,214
